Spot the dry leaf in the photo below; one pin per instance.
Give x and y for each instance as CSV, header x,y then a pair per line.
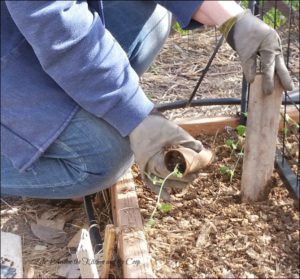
x,y
47,234
47,220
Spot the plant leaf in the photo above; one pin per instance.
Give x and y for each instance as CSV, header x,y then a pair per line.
x,y
241,130
224,169
230,143
165,207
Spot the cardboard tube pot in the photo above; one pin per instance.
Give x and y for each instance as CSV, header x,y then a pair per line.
x,y
187,160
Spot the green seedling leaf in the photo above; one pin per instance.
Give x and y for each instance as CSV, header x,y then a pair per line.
x,y
155,179
224,169
230,143
151,222
245,114
177,172
241,130
285,131
165,207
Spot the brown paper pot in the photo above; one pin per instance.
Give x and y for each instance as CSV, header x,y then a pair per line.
x,y
188,160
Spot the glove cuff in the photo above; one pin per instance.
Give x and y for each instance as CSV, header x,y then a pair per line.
x,y
227,27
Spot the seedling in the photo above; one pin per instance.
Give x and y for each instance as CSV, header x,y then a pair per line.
x,y
291,124
237,149
164,207
241,130
225,170
230,143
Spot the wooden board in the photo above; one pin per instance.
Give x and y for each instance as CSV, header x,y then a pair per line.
x,y
209,126
260,142
108,247
132,245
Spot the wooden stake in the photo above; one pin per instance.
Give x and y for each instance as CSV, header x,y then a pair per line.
x,y
132,244
108,247
86,257
260,143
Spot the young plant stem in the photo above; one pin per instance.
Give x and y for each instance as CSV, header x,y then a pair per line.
x,y
236,163
160,191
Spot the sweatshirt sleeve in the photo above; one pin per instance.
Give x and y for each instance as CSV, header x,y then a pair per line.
x,y
183,11
74,49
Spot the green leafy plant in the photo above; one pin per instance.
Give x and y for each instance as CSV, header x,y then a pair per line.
x,y
237,150
245,114
225,170
285,131
241,130
231,144
291,124
163,207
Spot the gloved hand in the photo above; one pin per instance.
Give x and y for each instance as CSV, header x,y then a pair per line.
x,y
250,36
148,142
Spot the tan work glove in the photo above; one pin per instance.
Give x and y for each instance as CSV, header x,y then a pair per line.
x,y
250,36
148,142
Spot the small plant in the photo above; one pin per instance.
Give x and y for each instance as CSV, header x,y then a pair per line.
x,y
241,130
163,207
291,121
225,170
237,149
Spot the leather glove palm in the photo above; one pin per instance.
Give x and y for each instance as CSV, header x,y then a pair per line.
x,y
250,36
148,142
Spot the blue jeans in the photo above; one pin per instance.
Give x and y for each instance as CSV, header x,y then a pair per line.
x,y
90,155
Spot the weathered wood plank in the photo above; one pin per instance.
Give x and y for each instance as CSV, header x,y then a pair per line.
x,y
207,126
260,142
132,245
108,247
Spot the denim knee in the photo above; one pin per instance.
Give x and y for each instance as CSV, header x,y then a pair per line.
x,y
89,156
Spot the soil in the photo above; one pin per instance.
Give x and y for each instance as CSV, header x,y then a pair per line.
x,y
209,232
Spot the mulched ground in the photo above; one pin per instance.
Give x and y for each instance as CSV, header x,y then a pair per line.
x,y
209,232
